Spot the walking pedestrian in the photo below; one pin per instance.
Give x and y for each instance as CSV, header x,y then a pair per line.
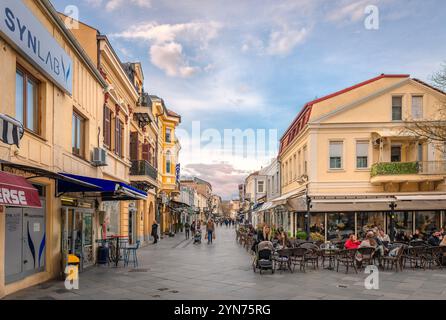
x,y
187,229
210,228
155,232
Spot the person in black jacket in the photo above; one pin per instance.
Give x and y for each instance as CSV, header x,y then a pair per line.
x,y
155,232
435,239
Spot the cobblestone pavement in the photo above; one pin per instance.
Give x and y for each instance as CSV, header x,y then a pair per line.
x,y
178,269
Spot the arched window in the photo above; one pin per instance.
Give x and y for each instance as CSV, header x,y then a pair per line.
x,y
168,162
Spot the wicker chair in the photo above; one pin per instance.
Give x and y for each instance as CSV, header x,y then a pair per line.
x,y
298,258
347,259
395,261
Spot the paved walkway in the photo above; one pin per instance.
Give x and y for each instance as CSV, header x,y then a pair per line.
x,y
178,269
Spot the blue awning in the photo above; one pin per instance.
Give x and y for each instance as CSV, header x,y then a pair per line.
x,y
109,190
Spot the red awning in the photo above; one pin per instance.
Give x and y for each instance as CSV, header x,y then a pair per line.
x,y
16,191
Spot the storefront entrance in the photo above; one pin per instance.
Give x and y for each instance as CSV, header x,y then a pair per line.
x,y
77,235
24,242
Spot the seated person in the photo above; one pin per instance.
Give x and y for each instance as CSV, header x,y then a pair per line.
x,y
352,242
417,235
435,239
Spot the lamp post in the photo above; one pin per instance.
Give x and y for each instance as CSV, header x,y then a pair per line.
x,y
392,206
307,216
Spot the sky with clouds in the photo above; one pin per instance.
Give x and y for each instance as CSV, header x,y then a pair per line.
x,y
250,65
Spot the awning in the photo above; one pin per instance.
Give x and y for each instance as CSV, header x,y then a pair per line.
x,y
282,200
11,130
109,190
16,191
421,197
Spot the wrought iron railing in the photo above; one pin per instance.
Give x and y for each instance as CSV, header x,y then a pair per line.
x,y
143,168
416,167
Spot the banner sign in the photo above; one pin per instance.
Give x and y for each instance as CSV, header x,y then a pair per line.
x,y
19,25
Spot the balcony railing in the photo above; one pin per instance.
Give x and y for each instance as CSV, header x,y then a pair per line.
x,y
417,167
143,168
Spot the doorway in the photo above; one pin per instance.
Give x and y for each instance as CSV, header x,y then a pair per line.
x,y
77,235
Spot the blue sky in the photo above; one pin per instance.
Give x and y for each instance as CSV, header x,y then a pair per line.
x,y
252,64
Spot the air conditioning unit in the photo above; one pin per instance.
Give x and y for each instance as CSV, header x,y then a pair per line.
x,y
99,157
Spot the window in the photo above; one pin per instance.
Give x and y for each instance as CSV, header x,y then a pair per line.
x,y
168,162
417,107
260,186
397,106
107,127
420,152
362,154
27,101
78,135
395,154
336,154
299,164
119,136
305,160
168,135
295,167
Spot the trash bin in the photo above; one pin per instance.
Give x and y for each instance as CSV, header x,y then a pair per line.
x,y
103,255
73,260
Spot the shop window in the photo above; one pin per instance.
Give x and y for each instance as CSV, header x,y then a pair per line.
x,y
427,222
340,225
403,222
368,220
78,136
317,226
27,101
397,107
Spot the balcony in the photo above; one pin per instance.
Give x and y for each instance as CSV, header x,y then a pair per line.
x,y
427,172
144,170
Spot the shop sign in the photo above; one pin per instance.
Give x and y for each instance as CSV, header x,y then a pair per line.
x,y
21,27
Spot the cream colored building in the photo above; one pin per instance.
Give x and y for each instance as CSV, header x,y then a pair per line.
x,y
51,113
350,152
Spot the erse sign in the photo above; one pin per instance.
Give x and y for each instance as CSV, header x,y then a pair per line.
x,y
12,197
20,26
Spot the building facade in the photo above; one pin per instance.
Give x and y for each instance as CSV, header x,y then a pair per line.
x,y
56,102
350,155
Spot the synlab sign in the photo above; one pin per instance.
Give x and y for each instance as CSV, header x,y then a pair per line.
x,y
21,27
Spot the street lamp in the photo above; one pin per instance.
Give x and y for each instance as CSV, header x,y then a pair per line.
x,y
392,206
307,216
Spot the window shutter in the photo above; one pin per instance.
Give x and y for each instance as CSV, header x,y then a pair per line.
x,y
362,149
134,146
146,152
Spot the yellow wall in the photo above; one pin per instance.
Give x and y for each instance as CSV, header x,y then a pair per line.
x,y
51,149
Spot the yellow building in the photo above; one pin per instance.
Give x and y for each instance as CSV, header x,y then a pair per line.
x,y
349,151
168,153
56,99
129,137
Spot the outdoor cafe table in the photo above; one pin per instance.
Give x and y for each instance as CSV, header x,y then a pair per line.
x,y
330,253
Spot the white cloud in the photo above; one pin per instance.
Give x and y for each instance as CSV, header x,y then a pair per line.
x,y
111,5
349,11
166,50
282,42
169,58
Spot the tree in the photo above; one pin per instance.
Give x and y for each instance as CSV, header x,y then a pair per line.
x,y
433,129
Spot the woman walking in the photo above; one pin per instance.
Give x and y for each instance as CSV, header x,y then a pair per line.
x,y
155,232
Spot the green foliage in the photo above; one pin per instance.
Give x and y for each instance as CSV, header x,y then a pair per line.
x,y
302,235
394,168
315,236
